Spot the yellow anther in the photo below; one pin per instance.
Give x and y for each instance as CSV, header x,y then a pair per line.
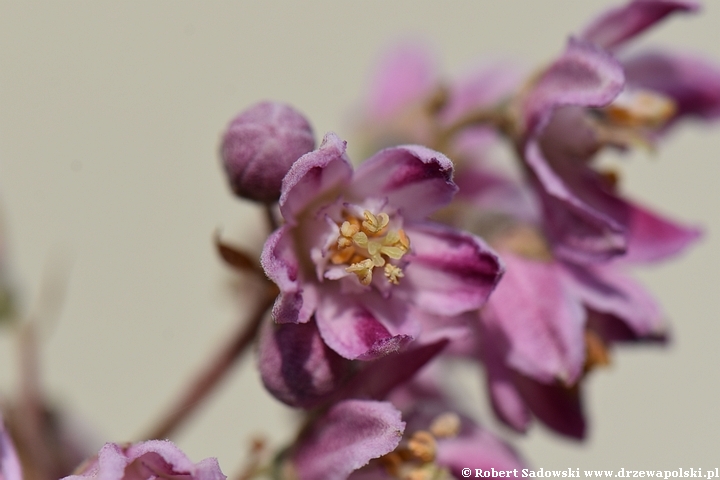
x,y
393,252
363,270
393,273
377,260
404,240
641,108
343,255
373,224
374,247
369,244
348,229
422,445
360,239
446,425
344,242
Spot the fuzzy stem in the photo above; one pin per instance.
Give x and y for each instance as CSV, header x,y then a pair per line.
x,y
212,375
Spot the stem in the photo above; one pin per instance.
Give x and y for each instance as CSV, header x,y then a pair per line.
x,y
211,376
270,217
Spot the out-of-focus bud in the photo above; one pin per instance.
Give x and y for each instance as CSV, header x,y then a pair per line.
x,y
259,147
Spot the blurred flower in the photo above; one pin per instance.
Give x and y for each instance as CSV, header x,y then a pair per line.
x,y
144,461
439,441
357,255
590,98
9,462
259,147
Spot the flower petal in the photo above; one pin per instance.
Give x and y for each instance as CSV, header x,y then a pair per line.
x,y
506,401
692,82
379,377
584,75
652,237
606,290
414,179
557,406
322,172
359,326
154,458
348,436
541,318
620,24
295,304
581,229
405,74
481,88
477,449
449,272
9,462
296,366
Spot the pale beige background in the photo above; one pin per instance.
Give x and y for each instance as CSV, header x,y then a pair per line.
x,y
110,114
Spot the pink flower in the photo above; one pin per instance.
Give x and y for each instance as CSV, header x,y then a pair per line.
x,y
590,98
146,461
357,254
9,462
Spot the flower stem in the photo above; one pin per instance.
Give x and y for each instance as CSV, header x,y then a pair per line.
x,y
212,375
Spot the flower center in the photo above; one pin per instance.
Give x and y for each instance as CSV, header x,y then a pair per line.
x,y
641,108
367,244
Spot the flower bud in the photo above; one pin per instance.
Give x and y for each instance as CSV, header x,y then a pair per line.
x,y
259,147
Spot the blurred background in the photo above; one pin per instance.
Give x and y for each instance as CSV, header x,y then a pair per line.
x,y
110,117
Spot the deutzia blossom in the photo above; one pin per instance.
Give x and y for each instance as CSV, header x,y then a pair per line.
x,y
145,461
357,255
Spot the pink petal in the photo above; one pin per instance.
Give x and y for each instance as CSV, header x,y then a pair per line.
x,y
9,462
379,377
584,75
320,173
154,458
406,74
296,366
414,179
582,229
296,302
652,237
692,82
558,407
606,290
449,272
359,326
506,401
541,318
348,436
481,89
476,449
620,24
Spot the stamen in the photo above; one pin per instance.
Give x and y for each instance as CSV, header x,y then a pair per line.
x,y
422,445
363,270
641,108
446,425
367,245
393,273
374,224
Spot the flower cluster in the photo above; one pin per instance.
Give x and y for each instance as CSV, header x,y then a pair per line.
x,y
427,252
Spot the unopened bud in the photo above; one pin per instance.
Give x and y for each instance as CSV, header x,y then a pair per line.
x,y
259,147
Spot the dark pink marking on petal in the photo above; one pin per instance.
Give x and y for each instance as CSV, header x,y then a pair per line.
x,y
296,366
414,179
